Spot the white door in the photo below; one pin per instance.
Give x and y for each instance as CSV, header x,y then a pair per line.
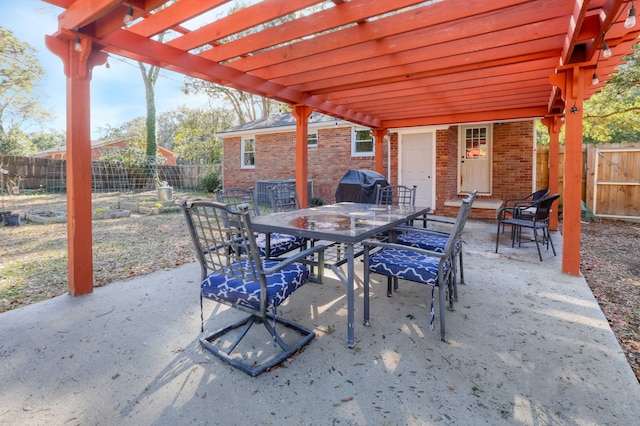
x,y
417,165
475,159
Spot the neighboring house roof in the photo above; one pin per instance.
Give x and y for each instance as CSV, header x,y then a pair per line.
x,y
284,123
94,144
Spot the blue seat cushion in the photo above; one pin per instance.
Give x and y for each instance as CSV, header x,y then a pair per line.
x,y
280,244
224,286
406,265
426,241
410,266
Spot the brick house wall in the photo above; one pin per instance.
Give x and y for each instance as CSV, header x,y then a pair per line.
x,y
512,153
276,160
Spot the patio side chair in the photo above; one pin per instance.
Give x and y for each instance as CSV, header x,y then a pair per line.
x,y
431,268
539,222
396,195
521,207
283,197
234,273
279,244
436,240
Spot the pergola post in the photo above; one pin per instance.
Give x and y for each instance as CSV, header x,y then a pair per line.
x,y
554,124
379,135
572,83
302,113
77,69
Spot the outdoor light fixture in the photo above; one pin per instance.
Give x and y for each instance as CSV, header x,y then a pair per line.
x,y
574,109
630,22
595,79
606,51
129,16
77,46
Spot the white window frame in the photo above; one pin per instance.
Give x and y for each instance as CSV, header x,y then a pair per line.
x,y
355,142
312,139
243,165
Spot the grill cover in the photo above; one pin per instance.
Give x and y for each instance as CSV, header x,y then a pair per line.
x,y
359,186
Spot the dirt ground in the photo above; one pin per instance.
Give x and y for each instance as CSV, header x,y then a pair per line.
x,y
33,259
610,263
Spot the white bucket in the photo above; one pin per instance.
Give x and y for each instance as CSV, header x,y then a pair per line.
x,y
165,193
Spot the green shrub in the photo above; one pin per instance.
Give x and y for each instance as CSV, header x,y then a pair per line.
x,y
210,181
316,202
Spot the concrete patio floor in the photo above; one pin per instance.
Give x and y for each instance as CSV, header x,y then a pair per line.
x,y
526,345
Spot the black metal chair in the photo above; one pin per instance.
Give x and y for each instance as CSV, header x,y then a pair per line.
x,y
396,195
416,264
521,207
279,244
538,222
283,197
235,274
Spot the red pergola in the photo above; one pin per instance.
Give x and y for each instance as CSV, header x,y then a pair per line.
x,y
383,64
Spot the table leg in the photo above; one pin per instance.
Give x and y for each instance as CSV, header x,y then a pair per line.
x,y
350,295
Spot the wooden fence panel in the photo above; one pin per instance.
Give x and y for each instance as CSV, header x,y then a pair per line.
x,y
610,181
616,182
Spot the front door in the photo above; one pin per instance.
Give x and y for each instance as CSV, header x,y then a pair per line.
x,y
417,164
475,158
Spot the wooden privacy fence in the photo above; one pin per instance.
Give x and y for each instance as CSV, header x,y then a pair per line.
x,y
610,178
50,175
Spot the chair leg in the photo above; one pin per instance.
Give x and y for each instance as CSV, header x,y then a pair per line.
x,y
286,351
498,235
550,241
366,276
389,286
535,238
442,309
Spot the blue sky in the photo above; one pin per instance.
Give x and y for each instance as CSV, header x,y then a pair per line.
x,y
117,93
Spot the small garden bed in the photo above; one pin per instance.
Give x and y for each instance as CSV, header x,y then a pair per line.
x,y
61,217
150,207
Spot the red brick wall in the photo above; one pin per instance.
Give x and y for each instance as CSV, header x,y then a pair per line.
x,y
276,159
513,163
513,166
513,159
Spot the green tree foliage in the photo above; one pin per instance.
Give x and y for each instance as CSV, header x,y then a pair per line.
x,y
20,74
195,136
188,132
43,141
133,131
610,116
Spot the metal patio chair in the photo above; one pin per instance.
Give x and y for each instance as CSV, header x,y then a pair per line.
x,y
283,197
436,240
235,274
279,244
415,264
538,222
521,207
397,195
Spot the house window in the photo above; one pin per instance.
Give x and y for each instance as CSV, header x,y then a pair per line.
x,y
248,159
475,142
312,139
361,143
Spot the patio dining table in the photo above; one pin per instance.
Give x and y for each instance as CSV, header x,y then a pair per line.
x,y
347,223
